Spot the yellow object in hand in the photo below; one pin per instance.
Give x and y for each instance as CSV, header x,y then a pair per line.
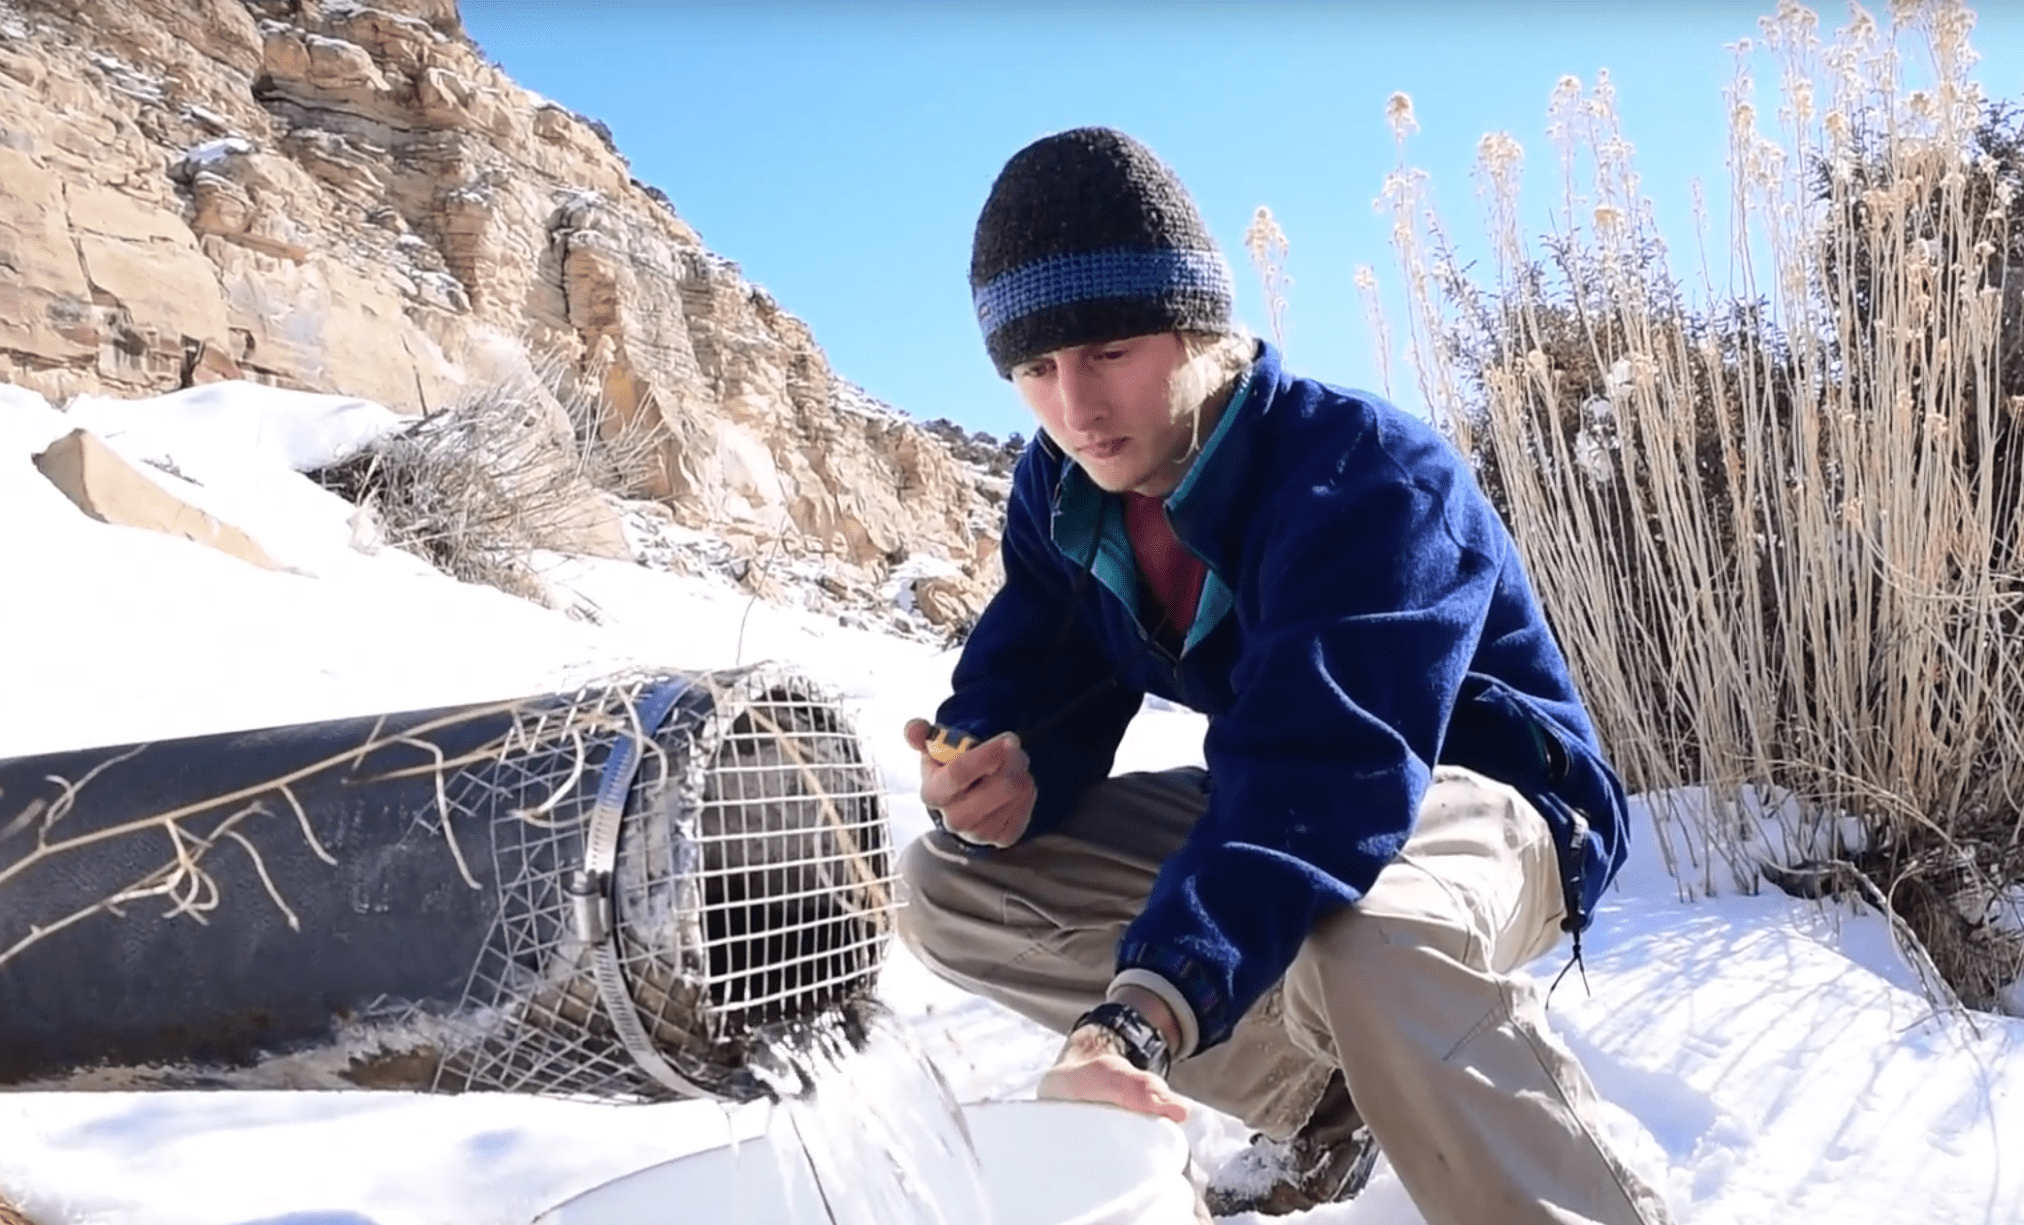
x,y
945,744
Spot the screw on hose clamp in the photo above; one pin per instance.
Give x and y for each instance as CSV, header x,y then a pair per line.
x,y
589,905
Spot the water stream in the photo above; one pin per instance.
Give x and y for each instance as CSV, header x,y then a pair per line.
x,y
865,1129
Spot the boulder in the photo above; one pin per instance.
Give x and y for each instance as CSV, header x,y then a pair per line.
x,y
105,486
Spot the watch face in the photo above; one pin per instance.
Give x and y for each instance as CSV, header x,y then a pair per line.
x,y
1118,1044
1098,1038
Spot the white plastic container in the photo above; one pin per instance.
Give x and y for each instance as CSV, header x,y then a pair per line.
x,y
1044,1163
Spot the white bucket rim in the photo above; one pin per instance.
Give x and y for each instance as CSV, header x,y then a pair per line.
x,y
1172,1157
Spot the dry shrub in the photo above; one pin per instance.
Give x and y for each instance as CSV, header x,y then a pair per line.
x,y
513,466
1776,526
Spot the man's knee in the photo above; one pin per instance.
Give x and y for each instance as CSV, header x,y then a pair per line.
x,y
1362,971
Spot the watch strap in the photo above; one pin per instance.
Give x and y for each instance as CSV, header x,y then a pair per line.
x,y
1144,1047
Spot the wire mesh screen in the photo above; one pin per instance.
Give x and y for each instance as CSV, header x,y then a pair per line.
x,y
720,871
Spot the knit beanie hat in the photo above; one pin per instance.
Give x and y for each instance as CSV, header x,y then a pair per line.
x,y
1087,237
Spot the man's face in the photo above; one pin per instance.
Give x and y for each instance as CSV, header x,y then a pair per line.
x,y
1108,406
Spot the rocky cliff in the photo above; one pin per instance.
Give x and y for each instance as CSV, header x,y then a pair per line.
x,y
337,196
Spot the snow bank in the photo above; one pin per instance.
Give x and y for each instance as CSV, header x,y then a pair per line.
x,y
231,424
121,634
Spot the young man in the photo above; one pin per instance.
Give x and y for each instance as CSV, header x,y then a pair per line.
x,y
1404,799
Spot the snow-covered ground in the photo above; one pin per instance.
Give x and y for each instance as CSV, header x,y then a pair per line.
x,y
1769,1060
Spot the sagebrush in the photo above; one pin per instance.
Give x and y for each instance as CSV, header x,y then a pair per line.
x,y
514,466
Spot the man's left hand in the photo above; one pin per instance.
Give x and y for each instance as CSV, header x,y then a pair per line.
x,y
1092,1068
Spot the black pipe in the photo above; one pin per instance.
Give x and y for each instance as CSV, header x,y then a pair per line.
x,y
273,945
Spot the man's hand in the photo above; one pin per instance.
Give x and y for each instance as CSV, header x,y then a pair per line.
x,y
1092,1068
985,795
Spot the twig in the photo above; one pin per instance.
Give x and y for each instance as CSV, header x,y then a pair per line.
x,y
260,866
443,808
302,819
765,568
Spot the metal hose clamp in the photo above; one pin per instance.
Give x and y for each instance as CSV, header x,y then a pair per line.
x,y
591,907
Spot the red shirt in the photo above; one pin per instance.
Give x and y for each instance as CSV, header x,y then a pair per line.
x,y
1172,574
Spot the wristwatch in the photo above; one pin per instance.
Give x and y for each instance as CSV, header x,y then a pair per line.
x,y
1141,1042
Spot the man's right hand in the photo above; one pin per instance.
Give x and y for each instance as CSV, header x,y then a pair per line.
x,y
985,795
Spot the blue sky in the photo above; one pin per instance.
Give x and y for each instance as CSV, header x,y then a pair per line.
x,y
839,151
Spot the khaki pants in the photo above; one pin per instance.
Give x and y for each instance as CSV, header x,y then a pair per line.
x,y
1485,1115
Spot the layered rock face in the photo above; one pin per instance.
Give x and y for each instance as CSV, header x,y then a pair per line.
x,y
341,197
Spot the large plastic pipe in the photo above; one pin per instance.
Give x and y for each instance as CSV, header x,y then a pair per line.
x,y
635,885
250,926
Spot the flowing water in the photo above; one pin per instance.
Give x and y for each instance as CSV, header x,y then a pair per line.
x,y
865,1127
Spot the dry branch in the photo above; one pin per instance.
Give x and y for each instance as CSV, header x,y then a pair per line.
x,y
512,467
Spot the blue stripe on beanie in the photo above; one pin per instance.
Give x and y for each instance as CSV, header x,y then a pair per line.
x,y
1059,280
1088,237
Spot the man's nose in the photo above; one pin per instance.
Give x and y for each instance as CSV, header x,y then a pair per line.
x,y
1083,405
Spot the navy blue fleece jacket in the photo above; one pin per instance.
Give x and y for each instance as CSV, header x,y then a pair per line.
x,y
1365,617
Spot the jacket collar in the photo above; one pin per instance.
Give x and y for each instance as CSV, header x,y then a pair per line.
x,y
1207,507
1210,507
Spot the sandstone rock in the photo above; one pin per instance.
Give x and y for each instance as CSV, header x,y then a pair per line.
x,y
349,197
345,165
222,207
443,96
45,302
25,70
245,196
950,601
399,40
441,15
343,67
143,263
206,362
105,486
332,71
321,326
10,1215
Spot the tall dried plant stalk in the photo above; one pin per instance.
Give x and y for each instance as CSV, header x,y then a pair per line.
x,y
1266,244
1778,537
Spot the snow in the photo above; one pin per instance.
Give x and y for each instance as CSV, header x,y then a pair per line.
x,y
1766,1059
136,635
898,589
579,199
212,153
856,401
241,423
210,119
126,79
328,43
